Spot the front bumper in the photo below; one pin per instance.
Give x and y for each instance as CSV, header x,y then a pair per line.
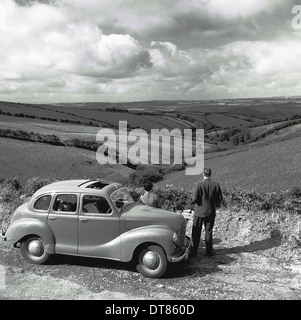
x,y
183,253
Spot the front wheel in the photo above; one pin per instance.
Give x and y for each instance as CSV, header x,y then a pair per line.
x,y
33,250
152,262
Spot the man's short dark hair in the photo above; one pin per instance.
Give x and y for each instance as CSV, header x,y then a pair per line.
x,y
207,172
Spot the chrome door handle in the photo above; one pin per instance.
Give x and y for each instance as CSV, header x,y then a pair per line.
x,y
52,218
83,220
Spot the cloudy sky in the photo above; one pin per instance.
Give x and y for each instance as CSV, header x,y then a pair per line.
x,y
130,50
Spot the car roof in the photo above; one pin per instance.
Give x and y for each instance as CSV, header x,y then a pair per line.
x,y
99,186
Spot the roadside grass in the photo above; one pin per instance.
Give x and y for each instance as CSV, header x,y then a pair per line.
x,y
13,193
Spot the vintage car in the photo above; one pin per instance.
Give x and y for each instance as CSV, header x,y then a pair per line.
x,y
93,218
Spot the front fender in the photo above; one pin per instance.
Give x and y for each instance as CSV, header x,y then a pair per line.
x,y
27,226
158,234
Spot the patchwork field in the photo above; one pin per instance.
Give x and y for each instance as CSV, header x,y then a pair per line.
x,y
64,131
224,120
250,143
99,117
37,111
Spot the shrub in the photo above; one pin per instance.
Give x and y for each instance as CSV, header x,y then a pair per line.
x,y
10,188
16,183
33,184
88,145
30,136
143,174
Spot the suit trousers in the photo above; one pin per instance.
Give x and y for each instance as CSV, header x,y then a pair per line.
x,y
198,222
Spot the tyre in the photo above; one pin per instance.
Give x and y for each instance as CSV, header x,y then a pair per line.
x,y
33,250
152,262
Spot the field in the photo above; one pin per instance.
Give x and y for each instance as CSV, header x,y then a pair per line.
x,y
100,117
268,168
63,131
249,143
225,120
30,159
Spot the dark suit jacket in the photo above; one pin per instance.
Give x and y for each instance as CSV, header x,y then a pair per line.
x,y
207,195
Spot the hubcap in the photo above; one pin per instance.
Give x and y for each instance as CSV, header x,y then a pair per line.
x,y
35,248
150,260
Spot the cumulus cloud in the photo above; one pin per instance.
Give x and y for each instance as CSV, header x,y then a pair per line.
x,y
253,68
133,50
237,8
41,42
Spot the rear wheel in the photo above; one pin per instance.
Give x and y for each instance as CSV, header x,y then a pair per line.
x,y
152,262
33,250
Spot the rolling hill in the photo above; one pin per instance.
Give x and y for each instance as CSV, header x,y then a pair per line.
x,y
266,158
268,168
30,159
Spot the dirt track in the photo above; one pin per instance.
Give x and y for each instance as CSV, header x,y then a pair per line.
x,y
235,272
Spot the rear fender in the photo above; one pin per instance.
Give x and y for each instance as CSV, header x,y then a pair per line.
x,y
155,234
25,227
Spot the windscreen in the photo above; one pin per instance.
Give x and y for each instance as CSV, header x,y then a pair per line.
x,y
121,198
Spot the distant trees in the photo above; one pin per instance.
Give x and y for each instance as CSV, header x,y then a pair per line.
x,y
143,174
113,109
206,125
276,128
233,136
240,137
49,139
31,136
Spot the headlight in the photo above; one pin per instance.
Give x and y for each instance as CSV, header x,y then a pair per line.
x,y
175,237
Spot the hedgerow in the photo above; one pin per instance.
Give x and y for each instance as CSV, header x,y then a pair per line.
x,y
180,199
31,136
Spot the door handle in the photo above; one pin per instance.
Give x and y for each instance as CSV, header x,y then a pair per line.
x,y
83,220
52,218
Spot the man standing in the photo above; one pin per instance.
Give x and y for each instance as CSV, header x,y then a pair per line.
x,y
207,195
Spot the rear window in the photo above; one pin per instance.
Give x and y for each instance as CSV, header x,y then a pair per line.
x,y
43,203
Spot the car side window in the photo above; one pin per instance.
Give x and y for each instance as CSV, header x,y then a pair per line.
x,y
65,203
43,203
96,204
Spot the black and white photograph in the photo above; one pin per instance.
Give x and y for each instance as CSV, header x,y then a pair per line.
x,y
150,151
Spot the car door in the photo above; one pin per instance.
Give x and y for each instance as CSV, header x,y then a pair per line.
x,y
98,228
63,220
